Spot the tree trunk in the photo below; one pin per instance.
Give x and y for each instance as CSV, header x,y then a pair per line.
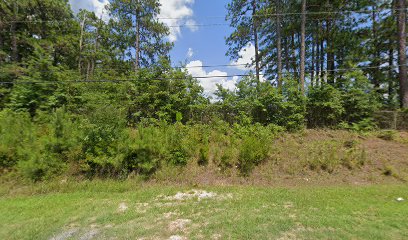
x,y
287,54
1,39
96,49
88,69
330,55
376,51
391,79
402,56
294,62
303,48
312,71
279,44
255,29
391,74
322,54
137,43
80,44
318,53
14,47
330,47
43,17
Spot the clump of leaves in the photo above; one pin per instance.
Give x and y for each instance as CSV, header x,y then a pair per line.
x,y
252,152
388,135
203,156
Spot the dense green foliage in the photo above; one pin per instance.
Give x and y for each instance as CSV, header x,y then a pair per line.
x,y
86,96
102,145
340,35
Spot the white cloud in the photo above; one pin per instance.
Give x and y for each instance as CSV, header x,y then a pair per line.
x,y
245,60
195,68
190,53
97,6
246,57
175,13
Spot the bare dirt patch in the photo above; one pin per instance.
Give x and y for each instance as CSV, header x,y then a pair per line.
x,y
193,194
122,207
91,234
66,234
179,225
177,237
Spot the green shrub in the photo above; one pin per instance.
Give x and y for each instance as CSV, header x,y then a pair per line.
x,y
252,152
203,157
178,157
360,100
365,125
228,158
145,150
100,137
8,157
390,171
142,161
16,132
388,135
40,165
324,106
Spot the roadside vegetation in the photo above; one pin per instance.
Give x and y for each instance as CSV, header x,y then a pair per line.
x,y
86,97
103,137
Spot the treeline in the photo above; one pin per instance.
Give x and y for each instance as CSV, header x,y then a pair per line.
x,y
96,97
319,42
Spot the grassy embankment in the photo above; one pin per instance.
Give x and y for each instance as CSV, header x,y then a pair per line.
x,y
314,185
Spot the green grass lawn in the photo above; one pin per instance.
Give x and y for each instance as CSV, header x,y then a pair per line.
x,y
114,210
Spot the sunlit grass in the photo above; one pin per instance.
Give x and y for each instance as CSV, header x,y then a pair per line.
x,y
94,210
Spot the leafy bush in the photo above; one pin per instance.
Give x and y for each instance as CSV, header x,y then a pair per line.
x,y
228,158
40,165
17,132
388,135
145,150
324,106
100,136
262,103
203,157
178,157
360,100
143,161
37,148
362,126
252,151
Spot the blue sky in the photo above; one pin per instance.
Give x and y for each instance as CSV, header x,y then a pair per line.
x,y
208,42
194,45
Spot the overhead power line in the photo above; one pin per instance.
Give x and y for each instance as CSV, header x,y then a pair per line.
x,y
124,80
185,78
175,67
170,26
256,15
247,65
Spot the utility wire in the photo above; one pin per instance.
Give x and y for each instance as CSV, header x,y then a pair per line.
x,y
173,26
185,78
126,80
131,70
256,15
208,66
